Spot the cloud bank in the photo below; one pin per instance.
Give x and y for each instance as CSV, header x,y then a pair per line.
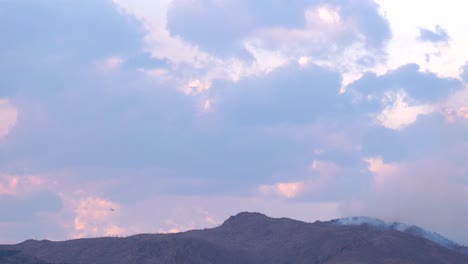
x,y
177,114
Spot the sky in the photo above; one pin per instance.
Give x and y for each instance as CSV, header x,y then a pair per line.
x,y
177,114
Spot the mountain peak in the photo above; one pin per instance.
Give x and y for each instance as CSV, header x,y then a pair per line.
x,y
245,217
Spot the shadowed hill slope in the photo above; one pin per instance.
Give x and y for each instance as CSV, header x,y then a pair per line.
x,y
251,238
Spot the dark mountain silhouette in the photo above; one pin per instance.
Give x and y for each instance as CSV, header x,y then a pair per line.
x,y
245,238
11,256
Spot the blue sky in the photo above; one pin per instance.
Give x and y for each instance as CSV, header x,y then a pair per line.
x,y
180,113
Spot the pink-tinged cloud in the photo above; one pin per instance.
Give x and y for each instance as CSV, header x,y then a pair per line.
x,y
8,185
286,190
21,185
94,216
323,173
458,114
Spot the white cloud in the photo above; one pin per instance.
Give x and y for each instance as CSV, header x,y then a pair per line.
x,y
398,114
303,61
163,45
328,16
405,48
322,40
8,117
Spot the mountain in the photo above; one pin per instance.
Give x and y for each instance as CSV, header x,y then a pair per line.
x,y
409,229
247,238
9,256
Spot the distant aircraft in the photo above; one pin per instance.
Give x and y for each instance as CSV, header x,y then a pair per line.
x,y
112,209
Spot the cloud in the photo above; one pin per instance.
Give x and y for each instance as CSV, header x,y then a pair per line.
x,y
9,185
221,27
60,27
94,216
111,63
137,111
432,136
435,36
424,87
397,114
62,42
260,37
28,207
287,95
464,72
8,117
20,185
286,190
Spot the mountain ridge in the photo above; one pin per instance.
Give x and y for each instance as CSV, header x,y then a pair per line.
x,y
247,238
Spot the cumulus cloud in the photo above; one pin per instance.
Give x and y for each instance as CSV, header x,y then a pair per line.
x,y
147,109
206,41
423,86
222,26
397,114
287,95
94,217
435,36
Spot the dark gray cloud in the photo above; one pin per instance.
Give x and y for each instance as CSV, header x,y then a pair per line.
x,y
436,36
